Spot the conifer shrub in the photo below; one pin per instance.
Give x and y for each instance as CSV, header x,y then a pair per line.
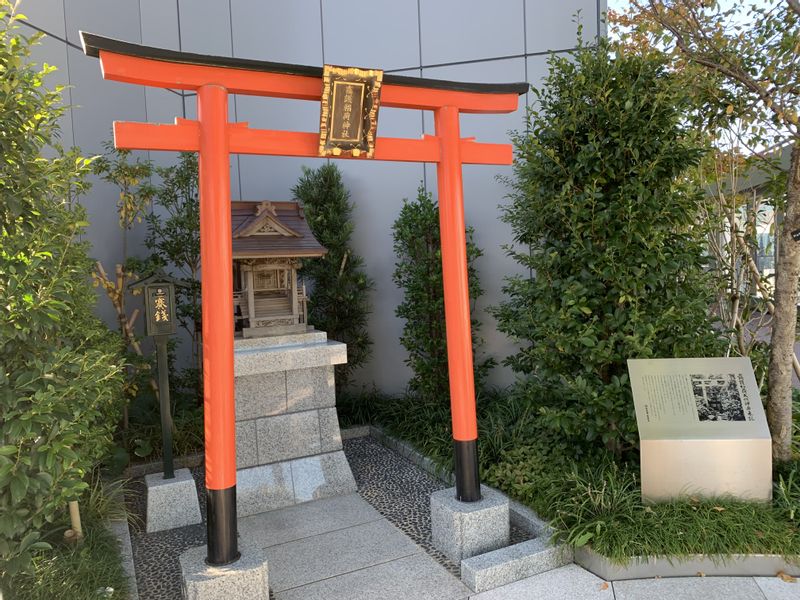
x,y
339,298
418,272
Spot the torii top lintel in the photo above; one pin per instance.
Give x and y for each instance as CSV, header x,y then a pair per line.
x,y
159,67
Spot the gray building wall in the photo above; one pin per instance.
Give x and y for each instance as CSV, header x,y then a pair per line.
x,y
468,40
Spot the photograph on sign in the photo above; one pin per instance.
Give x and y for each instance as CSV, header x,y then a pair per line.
x,y
692,395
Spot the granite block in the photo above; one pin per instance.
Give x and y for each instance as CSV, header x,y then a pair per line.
x,y
312,336
416,577
322,556
305,520
246,444
322,476
284,437
252,361
526,519
358,431
464,529
119,529
260,395
775,588
263,488
172,502
245,579
330,436
565,583
688,588
512,563
310,388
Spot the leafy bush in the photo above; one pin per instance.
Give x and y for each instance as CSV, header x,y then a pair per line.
x,y
60,368
601,200
598,502
81,572
339,301
418,272
173,239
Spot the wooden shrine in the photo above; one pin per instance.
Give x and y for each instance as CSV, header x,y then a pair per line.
x,y
270,240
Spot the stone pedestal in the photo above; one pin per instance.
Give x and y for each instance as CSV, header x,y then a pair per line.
x,y
465,529
288,444
171,503
245,579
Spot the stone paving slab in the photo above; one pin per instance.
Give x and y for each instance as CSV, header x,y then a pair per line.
x,y
306,520
417,577
565,583
330,554
775,588
689,588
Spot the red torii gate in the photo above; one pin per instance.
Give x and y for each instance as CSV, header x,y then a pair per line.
x,y
214,138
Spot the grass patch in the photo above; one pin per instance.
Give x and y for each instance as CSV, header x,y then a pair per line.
x,y
589,499
76,573
79,572
601,505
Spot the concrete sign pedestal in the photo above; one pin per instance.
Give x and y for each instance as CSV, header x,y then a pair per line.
x,y
702,429
172,502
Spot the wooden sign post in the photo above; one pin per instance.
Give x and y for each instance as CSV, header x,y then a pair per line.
x,y
161,322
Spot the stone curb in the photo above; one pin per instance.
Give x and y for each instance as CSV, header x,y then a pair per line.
x,y
499,567
744,565
736,565
119,529
512,563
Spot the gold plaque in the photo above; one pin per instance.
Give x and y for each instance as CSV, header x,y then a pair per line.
x,y
349,111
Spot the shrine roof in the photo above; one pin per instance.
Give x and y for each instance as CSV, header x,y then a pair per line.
x,y
272,229
93,44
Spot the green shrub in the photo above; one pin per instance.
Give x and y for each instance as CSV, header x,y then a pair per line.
x,y
86,571
60,368
598,503
418,272
608,222
339,300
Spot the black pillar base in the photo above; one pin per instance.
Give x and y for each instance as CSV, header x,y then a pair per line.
x,y
468,482
221,521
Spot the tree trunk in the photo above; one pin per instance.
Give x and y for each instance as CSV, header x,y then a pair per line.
x,y
784,324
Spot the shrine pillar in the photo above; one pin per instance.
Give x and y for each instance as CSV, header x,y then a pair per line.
x,y
456,305
216,258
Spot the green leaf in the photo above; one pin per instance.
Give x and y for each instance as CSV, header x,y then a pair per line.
x,y
583,539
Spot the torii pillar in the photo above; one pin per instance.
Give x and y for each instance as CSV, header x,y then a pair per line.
x,y
215,139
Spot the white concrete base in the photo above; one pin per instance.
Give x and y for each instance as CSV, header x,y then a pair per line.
x,y
268,487
245,579
171,503
464,529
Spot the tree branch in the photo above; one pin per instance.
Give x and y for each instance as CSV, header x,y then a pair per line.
x,y
735,74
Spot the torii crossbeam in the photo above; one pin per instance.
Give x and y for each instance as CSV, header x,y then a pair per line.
x,y
214,138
